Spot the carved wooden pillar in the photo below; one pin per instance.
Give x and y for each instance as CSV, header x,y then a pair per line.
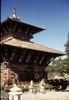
x,y
8,71
8,74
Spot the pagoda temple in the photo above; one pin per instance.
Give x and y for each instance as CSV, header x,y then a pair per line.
x,y
20,58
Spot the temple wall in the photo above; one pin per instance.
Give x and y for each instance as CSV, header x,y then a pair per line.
x,y
20,72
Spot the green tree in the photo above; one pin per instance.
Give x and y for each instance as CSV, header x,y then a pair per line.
x,y
60,66
67,47
66,65
67,54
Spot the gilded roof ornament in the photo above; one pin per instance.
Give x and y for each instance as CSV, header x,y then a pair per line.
x,y
14,15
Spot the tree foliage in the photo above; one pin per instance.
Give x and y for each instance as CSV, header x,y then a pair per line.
x,y
60,66
67,47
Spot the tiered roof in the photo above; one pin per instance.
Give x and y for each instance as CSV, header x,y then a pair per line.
x,y
17,34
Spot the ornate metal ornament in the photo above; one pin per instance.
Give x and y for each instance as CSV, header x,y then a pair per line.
x,y
36,75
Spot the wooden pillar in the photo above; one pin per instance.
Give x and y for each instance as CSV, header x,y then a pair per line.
x,y
8,74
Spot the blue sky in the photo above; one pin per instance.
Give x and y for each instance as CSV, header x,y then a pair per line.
x,y
53,15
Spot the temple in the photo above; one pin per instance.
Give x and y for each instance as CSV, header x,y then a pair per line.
x,y
20,58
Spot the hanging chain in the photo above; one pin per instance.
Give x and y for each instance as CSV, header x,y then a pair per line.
x,y
36,75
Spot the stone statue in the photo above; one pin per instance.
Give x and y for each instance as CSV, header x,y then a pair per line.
x,y
31,88
42,86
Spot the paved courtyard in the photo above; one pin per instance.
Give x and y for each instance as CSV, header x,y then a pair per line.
x,y
49,95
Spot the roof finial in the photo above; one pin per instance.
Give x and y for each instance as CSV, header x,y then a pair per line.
x,y
14,15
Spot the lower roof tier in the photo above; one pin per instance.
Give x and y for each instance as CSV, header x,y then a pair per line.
x,y
30,45
17,51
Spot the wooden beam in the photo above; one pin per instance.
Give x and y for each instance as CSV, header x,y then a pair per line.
x,y
42,58
13,54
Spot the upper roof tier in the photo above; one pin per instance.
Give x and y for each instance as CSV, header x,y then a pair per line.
x,y
21,30
13,26
26,28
